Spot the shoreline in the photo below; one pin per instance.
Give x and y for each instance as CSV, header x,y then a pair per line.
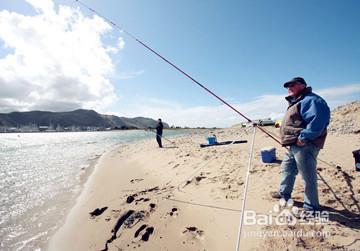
x,y
84,174
86,170
82,200
188,198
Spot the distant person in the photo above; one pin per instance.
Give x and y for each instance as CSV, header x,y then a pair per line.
x,y
303,129
159,132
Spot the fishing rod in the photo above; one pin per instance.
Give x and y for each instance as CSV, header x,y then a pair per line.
x,y
177,68
206,89
199,84
150,129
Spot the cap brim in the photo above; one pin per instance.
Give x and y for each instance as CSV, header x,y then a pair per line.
x,y
287,83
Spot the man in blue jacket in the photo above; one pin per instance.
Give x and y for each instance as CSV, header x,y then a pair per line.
x,y
303,130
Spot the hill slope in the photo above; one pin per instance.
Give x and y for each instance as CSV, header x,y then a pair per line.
x,y
345,119
79,118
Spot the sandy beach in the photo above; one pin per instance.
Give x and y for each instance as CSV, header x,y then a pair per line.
x,y
89,88
184,197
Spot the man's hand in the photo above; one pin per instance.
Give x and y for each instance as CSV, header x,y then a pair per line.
x,y
300,142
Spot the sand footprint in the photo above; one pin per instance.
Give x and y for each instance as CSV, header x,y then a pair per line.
x,y
97,212
146,235
136,180
174,212
194,232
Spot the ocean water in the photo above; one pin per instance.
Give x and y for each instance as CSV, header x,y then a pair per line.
x,y
41,174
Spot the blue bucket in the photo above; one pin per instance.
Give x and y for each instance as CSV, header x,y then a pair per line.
x,y
268,155
357,159
211,140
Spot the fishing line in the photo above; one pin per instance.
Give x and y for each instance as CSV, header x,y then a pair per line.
x,y
245,190
176,67
203,205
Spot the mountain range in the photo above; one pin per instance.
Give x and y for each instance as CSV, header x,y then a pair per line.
x,y
78,118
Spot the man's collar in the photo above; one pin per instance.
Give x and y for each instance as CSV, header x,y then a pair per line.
x,y
293,100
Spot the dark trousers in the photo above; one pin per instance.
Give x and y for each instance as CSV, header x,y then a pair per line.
x,y
158,139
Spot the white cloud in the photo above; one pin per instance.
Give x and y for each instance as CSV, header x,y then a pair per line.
x,y
121,43
58,60
210,116
340,95
265,106
119,46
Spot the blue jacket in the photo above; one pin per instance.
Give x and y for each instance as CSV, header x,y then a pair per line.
x,y
307,118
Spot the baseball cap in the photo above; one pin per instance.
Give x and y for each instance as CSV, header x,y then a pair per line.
x,y
295,80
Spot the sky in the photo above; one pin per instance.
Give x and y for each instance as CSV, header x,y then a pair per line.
x,y
56,55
